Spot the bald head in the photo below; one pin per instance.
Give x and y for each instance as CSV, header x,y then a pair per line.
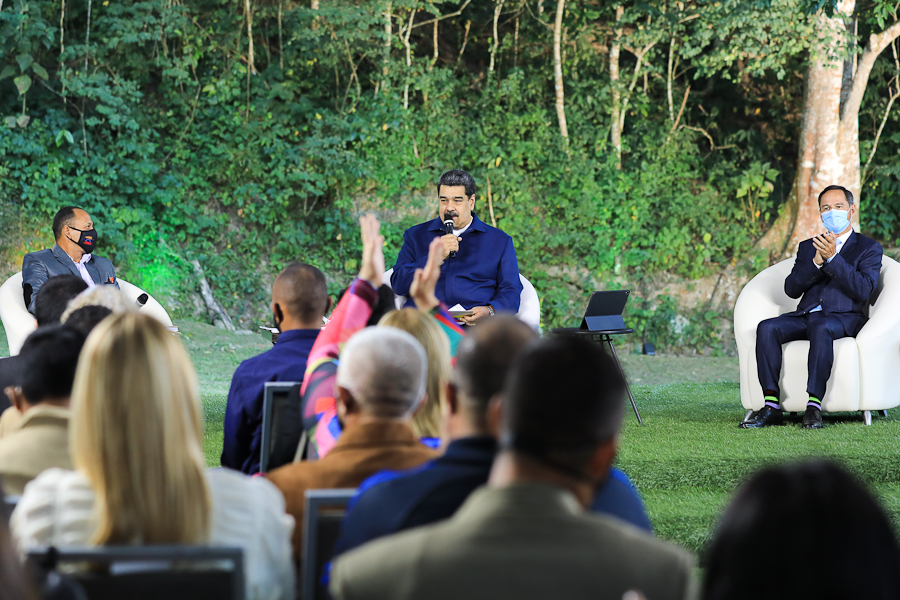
x,y
384,369
301,294
484,359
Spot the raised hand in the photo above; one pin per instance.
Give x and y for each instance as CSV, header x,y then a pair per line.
x,y
372,267
425,280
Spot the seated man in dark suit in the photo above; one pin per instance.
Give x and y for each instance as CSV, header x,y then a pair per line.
x,y
299,301
73,230
834,275
527,533
392,501
483,274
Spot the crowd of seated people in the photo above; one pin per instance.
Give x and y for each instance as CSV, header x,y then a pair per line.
x,y
472,480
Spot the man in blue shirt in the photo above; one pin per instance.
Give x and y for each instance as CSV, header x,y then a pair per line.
x,y
393,501
299,301
483,274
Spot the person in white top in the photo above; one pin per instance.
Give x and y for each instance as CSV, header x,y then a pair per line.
x,y
140,477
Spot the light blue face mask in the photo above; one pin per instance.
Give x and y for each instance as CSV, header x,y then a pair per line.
x,y
836,220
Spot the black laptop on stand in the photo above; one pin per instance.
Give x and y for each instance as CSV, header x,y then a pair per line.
x,y
603,319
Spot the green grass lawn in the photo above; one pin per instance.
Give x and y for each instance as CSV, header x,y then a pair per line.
x,y
686,459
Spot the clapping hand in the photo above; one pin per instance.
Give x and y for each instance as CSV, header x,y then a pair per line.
x,y
826,247
425,280
372,267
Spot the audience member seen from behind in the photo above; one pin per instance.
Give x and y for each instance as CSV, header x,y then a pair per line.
x,y
49,358
140,477
108,296
56,294
527,534
380,383
299,302
426,423
87,317
393,501
846,538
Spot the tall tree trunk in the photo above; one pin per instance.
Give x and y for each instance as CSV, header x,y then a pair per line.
x,y
498,6
387,46
251,65
557,73
829,133
614,51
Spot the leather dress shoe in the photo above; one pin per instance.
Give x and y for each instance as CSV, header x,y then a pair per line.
x,y
765,417
812,418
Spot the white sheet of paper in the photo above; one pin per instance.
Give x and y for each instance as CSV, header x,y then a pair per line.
x,y
457,307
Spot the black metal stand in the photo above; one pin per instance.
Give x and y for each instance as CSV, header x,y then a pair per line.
x,y
605,337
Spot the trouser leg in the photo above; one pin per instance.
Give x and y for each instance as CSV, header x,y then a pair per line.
x,y
823,330
770,335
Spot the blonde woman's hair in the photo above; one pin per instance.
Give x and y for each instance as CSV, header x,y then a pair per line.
x,y
426,422
100,295
136,434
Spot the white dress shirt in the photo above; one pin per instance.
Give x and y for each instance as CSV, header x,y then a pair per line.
x,y
82,270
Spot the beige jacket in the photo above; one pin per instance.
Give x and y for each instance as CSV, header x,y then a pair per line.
x,y
529,542
40,441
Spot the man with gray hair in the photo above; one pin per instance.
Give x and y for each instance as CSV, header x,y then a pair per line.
x,y
527,535
380,384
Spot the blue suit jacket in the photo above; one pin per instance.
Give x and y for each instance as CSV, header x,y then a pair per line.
x,y
38,267
842,286
393,501
485,270
286,361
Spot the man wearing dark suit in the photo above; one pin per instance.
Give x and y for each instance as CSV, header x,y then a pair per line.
x,y
834,275
73,230
527,534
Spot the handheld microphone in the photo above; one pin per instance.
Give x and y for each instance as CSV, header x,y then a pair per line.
x,y
448,227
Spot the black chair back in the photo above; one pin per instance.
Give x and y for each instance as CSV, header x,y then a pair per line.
x,y
148,572
324,513
282,424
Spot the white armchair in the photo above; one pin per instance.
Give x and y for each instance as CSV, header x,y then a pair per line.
x,y
866,371
529,302
18,322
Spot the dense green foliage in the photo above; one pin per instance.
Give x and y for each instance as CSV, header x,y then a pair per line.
x,y
149,115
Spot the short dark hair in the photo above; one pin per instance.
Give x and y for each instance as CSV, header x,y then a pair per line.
x,y
485,357
64,217
765,521
86,318
49,358
305,291
54,296
847,193
458,177
564,398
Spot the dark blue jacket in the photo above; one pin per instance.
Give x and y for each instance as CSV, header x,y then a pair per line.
x,y
393,501
485,270
286,361
842,286
38,267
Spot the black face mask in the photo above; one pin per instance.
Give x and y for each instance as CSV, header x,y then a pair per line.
x,y
86,241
